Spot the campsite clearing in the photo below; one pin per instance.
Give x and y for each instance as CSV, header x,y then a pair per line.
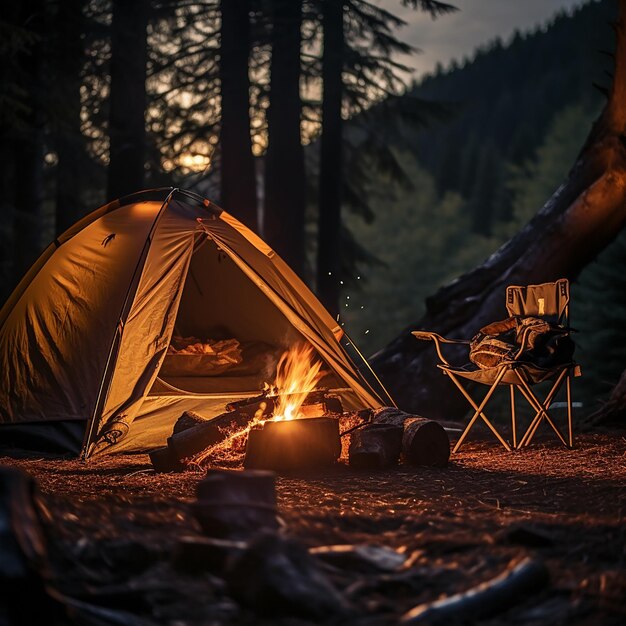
x,y
116,524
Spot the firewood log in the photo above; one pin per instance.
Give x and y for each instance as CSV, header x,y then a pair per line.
x,y
163,461
252,405
375,446
191,441
188,419
425,442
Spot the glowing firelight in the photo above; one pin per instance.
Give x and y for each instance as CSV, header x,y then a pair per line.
x,y
297,374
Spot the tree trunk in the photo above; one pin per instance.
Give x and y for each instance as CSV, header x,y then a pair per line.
x,y
127,99
329,223
69,140
582,217
29,145
284,160
238,180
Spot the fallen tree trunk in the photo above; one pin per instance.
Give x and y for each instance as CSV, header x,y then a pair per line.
x,y
582,217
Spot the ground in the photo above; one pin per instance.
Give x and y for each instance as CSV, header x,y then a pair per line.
x,y
115,524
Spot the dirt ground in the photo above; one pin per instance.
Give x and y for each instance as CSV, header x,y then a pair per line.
x,y
115,525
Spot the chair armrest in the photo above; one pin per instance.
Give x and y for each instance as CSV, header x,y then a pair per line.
x,y
425,335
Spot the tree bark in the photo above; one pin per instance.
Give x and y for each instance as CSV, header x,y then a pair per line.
x,y
284,160
238,179
578,221
127,99
29,149
69,140
329,222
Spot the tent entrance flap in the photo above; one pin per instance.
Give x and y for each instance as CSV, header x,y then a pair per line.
x,y
227,336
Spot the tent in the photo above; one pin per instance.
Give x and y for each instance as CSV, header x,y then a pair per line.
x,y
84,337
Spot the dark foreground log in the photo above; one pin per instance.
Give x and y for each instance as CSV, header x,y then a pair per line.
x,y
487,599
25,573
375,446
276,576
235,505
294,444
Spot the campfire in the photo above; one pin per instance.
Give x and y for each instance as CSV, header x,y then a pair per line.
x,y
294,424
292,396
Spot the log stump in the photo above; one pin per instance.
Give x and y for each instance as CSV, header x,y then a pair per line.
x,y
294,444
236,504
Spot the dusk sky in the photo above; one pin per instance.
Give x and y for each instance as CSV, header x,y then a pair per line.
x,y
476,22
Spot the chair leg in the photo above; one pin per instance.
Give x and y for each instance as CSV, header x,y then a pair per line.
x,y
570,430
479,411
541,409
513,421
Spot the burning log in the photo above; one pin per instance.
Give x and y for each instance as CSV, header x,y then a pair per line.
x,y
424,442
250,406
235,504
187,443
375,446
315,403
294,444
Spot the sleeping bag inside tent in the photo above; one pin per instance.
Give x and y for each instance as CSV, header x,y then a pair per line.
x,y
152,305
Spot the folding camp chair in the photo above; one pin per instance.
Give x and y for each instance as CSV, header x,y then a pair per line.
x,y
549,301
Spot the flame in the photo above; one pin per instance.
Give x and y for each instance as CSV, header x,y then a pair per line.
x,y
297,374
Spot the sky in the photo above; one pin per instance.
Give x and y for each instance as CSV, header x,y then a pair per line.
x,y
455,35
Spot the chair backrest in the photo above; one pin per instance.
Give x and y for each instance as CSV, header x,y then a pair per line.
x,y
549,300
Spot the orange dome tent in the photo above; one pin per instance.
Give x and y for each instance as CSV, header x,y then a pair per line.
x,y
84,337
